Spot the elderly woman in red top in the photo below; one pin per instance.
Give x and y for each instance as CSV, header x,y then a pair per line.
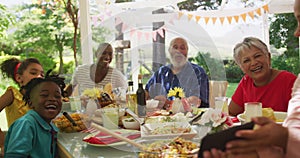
x,y
261,82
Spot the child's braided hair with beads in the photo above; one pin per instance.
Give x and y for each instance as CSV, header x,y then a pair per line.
x,y
36,81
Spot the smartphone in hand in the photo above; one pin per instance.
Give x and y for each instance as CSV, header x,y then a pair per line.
x,y
218,140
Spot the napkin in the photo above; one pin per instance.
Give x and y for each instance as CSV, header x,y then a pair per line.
x,y
235,120
103,138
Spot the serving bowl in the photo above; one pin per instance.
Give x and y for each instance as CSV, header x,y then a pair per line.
x,y
130,123
280,116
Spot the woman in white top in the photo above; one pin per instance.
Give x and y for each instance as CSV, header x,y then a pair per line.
x,y
97,74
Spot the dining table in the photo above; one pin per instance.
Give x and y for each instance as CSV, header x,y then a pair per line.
x,y
71,145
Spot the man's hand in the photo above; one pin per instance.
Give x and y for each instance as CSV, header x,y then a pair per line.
x,y
162,100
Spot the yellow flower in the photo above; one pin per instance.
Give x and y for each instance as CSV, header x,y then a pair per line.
x,y
93,93
176,92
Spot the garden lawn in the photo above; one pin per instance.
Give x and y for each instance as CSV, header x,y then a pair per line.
x,y
230,89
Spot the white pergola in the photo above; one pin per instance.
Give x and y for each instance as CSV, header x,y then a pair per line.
x,y
275,6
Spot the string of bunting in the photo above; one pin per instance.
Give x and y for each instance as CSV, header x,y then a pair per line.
x,y
251,13
139,33
97,19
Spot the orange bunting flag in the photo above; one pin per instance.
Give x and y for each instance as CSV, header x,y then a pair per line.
x,y
197,18
214,19
206,20
258,11
222,20
266,8
251,14
229,18
236,18
244,16
190,16
180,15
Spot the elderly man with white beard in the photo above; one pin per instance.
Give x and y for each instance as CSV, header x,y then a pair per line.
x,y
180,73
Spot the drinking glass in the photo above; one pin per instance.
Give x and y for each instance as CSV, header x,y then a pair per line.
x,y
252,109
222,104
75,103
110,118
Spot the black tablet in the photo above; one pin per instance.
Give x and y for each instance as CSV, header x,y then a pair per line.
x,y
218,140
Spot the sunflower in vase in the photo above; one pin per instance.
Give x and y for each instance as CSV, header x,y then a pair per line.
x,y
180,103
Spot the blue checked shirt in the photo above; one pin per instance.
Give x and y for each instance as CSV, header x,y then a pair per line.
x,y
192,78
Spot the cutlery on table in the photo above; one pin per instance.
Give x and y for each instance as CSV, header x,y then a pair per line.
x,y
69,118
134,116
118,136
196,118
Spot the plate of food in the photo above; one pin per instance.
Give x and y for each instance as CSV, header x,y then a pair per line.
x,y
168,130
276,116
101,139
176,147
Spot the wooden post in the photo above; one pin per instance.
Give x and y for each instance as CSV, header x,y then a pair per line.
x,y
119,52
159,55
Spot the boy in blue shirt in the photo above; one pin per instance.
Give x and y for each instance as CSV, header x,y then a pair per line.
x,y
34,135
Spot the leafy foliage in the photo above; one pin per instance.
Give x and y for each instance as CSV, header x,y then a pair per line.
x,y
281,33
192,5
233,71
5,20
283,62
46,61
214,67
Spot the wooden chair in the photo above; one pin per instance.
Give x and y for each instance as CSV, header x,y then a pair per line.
x,y
216,89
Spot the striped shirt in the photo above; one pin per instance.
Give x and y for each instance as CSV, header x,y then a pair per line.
x,y
81,77
192,78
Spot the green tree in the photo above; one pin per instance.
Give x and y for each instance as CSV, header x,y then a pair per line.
x,y
213,67
42,28
281,32
192,5
6,19
72,10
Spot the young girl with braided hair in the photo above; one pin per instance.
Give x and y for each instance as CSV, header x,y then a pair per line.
x,y
34,135
21,72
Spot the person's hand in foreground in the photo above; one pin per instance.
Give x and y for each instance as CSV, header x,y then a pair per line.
x,y
268,134
214,153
